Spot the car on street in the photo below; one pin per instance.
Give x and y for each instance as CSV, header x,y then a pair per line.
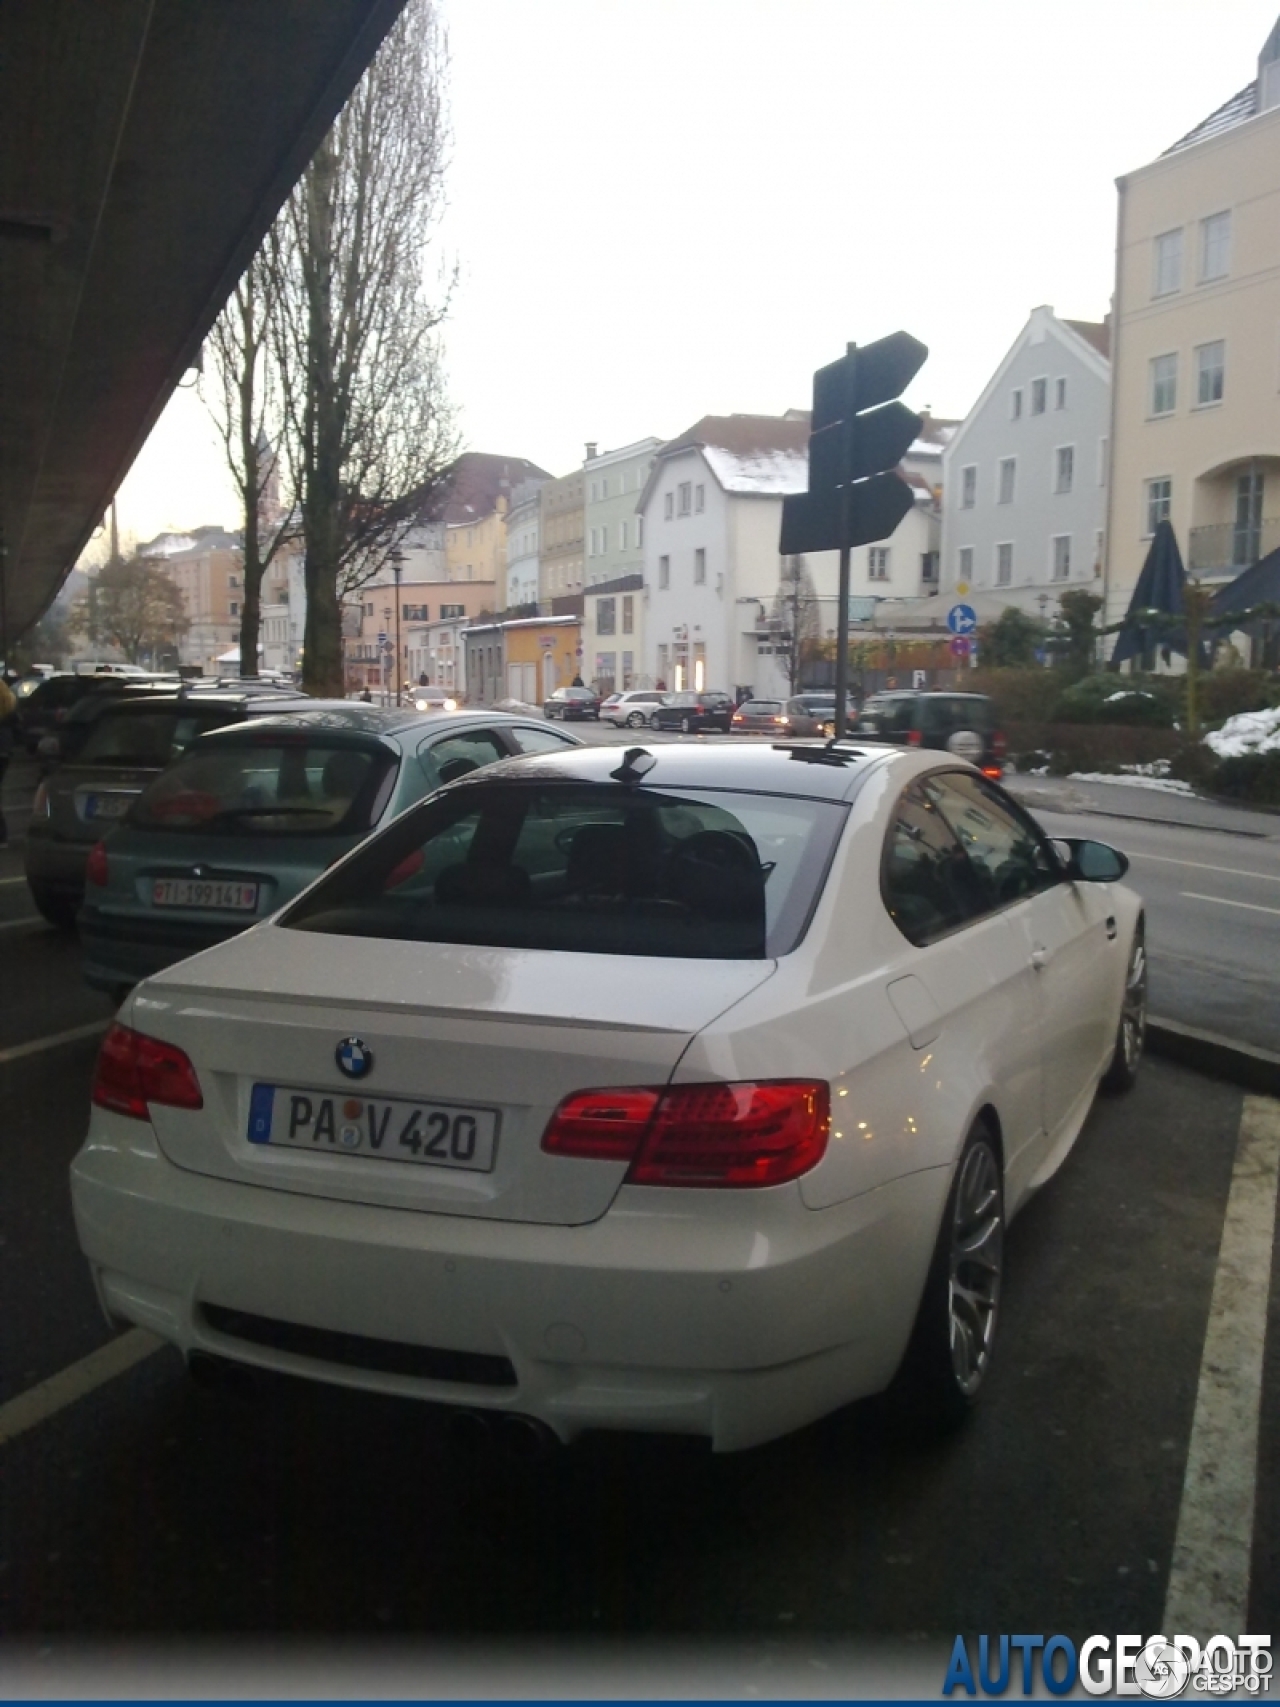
x,y
687,1090
961,723
49,704
630,710
821,703
111,747
432,699
693,713
247,816
572,702
778,717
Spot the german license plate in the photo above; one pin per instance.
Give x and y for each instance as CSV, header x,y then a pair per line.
x,y
389,1129
222,894
107,805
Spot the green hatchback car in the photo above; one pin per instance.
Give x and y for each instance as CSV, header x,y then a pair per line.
x,y
248,816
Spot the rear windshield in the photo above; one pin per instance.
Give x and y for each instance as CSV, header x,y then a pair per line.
x,y
590,869
269,787
146,737
762,707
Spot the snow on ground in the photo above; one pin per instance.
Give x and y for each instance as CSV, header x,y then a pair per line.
x,y
1165,784
1250,732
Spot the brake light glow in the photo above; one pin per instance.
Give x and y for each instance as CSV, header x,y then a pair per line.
x,y
134,1071
742,1134
998,744
914,737
95,870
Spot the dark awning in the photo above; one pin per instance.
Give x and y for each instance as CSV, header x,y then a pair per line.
x,y
1258,585
147,145
1159,588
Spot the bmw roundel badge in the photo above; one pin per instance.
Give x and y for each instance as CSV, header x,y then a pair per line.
x,y
354,1057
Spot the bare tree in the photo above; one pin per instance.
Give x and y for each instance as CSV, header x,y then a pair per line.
x,y
135,605
796,612
356,334
243,396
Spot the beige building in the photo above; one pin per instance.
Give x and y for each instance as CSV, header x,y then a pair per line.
x,y
561,522
1195,431
207,567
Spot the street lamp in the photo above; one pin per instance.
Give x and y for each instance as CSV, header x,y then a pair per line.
x,y
397,564
386,617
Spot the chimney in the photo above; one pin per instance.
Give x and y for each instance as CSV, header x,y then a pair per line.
x,y
591,450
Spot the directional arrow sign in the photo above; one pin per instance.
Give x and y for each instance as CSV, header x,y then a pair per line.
x,y
880,371
811,521
962,619
875,441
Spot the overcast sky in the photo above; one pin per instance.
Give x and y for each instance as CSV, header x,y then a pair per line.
x,y
672,208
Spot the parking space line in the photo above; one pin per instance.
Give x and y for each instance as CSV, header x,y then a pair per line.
x,y
1199,865
54,1040
1221,901
4,880
1209,1575
41,1402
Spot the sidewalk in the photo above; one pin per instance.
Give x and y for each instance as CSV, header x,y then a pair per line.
x,y
1151,805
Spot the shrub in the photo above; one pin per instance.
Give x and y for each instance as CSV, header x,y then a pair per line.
x,y
1068,747
1019,696
1226,693
1254,777
1112,699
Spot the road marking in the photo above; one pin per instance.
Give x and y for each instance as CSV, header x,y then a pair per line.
x,y
12,880
1221,901
40,1403
1199,865
54,1040
1209,1576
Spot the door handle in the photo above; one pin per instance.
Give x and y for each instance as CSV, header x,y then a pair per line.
x,y
1039,958
1111,928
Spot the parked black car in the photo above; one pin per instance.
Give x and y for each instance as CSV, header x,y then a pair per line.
x,y
959,723
695,712
47,707
572,702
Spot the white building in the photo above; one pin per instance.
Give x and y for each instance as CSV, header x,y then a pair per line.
x,y
523,544
1024,476
612,528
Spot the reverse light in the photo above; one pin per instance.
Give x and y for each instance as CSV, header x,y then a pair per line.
x,y
96,870
755,1133
134,1071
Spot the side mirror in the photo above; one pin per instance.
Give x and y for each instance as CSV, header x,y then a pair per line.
x,y
1090,862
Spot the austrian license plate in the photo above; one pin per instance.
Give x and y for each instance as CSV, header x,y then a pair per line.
x,y
389,1129
219,893
107,805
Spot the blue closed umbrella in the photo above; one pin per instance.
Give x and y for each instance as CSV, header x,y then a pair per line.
x,y
1159,588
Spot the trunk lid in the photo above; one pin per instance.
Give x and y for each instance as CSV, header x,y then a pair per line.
x,y
498,1036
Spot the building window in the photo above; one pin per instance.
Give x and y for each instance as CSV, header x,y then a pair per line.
x,y
1167,271
685,505
1215,247
878,563
1210,363
664,572
622,536
628,668
968,487
1103,448
447,611
1015,403
1246,540
368,610
1164,384
668,505
929,566
604,488
699,498
1008,475
699,568
1004,563
1062,556
1159,501
664,664
1059,393
1039,396
606,616
964,566
1064,468
234,608
628,615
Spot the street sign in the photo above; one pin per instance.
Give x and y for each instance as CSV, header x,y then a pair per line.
x,y
879,439
919,678
811,520
881,371
961,645
962,619
962,587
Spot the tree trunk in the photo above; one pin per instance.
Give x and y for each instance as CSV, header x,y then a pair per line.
x,y
251,491
322,667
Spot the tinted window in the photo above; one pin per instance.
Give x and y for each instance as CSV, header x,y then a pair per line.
x,y
455,755
929,886
267,787
762,707
887,716
1007,853
589,869
948,713
531,738
148,738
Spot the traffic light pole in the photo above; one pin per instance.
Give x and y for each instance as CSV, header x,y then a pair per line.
x,y
846,500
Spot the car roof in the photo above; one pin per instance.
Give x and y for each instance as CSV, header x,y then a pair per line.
x,y
352,717
808,769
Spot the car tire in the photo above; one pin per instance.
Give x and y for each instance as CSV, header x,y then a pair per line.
x,y
653,720
54,907
1122,1072
685,725
948,1356
635,719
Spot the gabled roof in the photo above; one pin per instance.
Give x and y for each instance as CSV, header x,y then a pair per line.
x,y
750,455
1068,332
472,487
1226,117
1095,332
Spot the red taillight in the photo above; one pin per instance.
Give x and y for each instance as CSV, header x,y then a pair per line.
x,y
914,737
748,1134
995,772
134,1070
998,744
95,871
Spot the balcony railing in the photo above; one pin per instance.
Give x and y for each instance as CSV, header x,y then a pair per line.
x,y
1227,548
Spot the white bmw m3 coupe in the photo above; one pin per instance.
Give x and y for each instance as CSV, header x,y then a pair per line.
x,y
688,1090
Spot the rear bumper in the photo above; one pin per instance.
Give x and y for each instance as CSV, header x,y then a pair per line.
x,y
119,950
55,865
630,1322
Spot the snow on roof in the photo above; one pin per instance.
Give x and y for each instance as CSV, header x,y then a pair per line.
x,y
1226,117
766,471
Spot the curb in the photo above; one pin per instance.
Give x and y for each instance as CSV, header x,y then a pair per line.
x,y
1220,1057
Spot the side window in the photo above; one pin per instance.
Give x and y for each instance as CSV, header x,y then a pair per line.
x,y
453,756
1007,854
528,739
928,885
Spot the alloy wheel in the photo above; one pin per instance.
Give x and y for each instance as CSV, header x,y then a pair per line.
x,y
976,1266
1133,1012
